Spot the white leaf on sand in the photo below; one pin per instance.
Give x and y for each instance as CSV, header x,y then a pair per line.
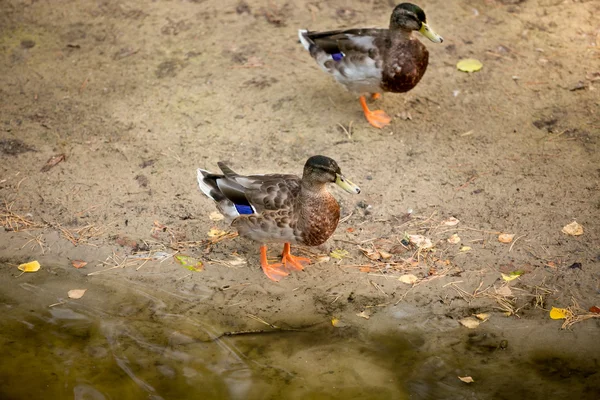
x,y
408,278
483,316
216,216
469,322
506,237
454,239
76,293
451,222
466,379
573,229
364,314
504,291
421,241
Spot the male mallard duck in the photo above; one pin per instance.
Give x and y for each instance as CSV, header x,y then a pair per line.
x,y
375,60
280,208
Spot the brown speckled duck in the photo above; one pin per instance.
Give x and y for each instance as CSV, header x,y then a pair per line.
x,y
280,208
375,60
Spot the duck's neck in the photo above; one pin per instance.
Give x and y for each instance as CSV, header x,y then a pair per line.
x,y
318,213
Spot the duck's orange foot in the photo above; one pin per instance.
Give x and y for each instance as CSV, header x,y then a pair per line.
x,y
375,96
292,262
274,272
377,118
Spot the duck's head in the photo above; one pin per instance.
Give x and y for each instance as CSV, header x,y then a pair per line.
x,y
408,16
322,170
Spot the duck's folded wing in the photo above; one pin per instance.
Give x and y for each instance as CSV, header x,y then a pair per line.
x,y
346,41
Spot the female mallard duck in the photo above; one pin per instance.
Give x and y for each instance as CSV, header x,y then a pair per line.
x,y
280,208
375,60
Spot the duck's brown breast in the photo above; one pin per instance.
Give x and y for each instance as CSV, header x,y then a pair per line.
x,y
404,65
318,220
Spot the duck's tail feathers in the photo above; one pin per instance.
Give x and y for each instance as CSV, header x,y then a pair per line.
x,y
306,41
207,182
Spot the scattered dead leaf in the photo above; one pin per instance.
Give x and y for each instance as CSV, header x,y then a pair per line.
x,y
483,316
53,161
573,229
371,254
385,255
365,314
512,275
76,293
465,248
78,263
339,254
451,222
216,233
337,323
466,379
32,266
469,322
454,239
421,241
506,237
191,263
504,291
216,216
408,279
595,310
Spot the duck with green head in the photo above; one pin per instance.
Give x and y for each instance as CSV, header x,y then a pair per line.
x,y
375,60
280,208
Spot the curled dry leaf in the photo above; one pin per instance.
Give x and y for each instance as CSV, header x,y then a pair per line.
x,y
408,279
365,314
216,216
371,254
76,293
421,241
52,161
32,266
573,229
451,222
506,237
214,232
454,239
385,255
78,263
469,322
595,310
483,316
466,379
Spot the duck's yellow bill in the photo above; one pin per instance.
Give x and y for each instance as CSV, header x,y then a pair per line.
x,y
346,184
430,34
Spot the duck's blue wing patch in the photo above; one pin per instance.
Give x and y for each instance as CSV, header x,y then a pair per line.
x,y
337,56
243,209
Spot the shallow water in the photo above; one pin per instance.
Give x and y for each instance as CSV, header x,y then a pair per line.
x,y
123,341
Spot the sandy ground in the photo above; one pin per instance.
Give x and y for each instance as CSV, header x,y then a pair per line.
x,y
136,95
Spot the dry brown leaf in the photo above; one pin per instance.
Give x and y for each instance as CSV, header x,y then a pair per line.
x,y
52,161
454,239
573,229
469,322
483,316
385,255
421,241
371,254
466,379
506,237
451,222
76,293
78,263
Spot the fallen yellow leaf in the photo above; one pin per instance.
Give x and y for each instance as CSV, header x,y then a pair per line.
x,y
214,232
339,253
465,248
573,229
512,276
559,313
466,379
469,65
337,323
190,263
76,293
32,266
506,237
408,278
469,322
483,316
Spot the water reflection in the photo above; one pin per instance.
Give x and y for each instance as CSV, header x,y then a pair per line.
x,y
136,344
